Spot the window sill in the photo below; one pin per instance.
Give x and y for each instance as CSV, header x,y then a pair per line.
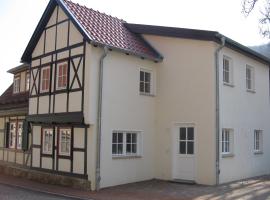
x,y
126,157
251,91
227,155
147,94
228,84
258,152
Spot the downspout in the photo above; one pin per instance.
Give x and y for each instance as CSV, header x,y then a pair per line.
x,y
217,106
99,115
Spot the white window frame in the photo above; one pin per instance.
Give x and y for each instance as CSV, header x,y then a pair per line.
x,y
258,141
12,135
186,140
27,80
251,78
16,85
57,77
230,72
67,152
19,135
227,141
41,79
152,82
47,148
124,144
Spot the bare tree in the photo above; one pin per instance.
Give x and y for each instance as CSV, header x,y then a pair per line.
x,y
264,21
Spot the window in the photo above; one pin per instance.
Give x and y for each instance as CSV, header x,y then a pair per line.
x,y
227,71
62,75
250,83
226,141
45,79
27,81
146,82
12,135
186,140
19,135
258,141
47,140
16,86
125,143
64,141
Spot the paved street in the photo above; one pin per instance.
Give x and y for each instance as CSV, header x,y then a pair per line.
x,y
15,193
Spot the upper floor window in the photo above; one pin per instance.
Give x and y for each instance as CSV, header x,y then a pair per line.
x,y
227,141
27,82
146,81
227,70
16,85
250,79
258,140
47,140
45,79
64,141
62,69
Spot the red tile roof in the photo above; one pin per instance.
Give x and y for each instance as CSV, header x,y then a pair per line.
x,y
8,100
110,31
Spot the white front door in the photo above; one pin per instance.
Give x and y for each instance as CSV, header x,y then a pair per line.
x,y
184,153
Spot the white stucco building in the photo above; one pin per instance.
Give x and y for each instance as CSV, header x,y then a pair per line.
x,y
114,103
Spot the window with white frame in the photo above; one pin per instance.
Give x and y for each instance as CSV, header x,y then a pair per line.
x,y
12,135
47,140
227,70
62,69
250,79
19,135
45,79
146,81
227,141
64,141
16,85
258,140
125,143
27,86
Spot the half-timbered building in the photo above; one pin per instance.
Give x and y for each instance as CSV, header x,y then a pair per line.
x,y
113,103
14,137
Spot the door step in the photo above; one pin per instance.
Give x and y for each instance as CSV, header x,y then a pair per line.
x,y
182,181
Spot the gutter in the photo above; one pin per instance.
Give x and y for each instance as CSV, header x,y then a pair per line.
x,y
223,39
99,116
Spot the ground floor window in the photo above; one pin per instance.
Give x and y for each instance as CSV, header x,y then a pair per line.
x,y
15,134
64,141
125,143
47,140
258,140
227,141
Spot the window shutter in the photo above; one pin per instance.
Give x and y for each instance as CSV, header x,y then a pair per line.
x,y
25,134
7,134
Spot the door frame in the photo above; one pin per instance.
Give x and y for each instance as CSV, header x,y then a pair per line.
x,y
174,132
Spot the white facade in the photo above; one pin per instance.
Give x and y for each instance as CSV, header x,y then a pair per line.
x,y
244,111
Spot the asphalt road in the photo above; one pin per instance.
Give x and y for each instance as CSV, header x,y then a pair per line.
x,y
15,193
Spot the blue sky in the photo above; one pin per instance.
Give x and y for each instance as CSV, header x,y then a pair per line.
x,y
18,19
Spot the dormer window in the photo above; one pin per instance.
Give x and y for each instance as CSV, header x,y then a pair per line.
x,y
45,79
62,69
27,82
16,85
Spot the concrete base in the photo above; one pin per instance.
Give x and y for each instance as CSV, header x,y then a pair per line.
x,y
43,177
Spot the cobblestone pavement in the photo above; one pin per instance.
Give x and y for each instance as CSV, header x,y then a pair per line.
x,y
15,193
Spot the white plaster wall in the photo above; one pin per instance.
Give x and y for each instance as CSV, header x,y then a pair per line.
x,y
185,94
244,111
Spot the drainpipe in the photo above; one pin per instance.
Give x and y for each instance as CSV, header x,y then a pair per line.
x,y
99,116
217,105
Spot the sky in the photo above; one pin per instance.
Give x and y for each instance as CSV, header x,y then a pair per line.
x,y
19,18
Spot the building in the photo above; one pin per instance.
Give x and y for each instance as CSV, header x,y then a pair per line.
x,y
114,103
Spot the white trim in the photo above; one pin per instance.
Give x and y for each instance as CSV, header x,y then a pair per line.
x,y
231,74
152,81
68,130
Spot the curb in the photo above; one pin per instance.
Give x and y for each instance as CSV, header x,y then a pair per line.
x,y
45,192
